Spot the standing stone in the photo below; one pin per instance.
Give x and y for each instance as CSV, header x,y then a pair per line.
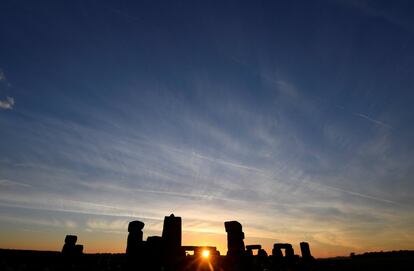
x,y
135,246
305,250
71,239
235,237
134,241
171,232
173,254
237,258
289,252
69,246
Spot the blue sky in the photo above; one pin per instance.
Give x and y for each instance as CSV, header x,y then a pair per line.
x,y
293,117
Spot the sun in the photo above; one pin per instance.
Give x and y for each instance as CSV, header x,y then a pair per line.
x,y
205,254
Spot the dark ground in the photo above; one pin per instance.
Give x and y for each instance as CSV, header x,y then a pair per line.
x,y
11,260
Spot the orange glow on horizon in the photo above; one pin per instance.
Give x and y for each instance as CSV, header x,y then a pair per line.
x,y
107,242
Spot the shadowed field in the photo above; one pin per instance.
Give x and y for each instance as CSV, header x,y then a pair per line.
x,y
11,260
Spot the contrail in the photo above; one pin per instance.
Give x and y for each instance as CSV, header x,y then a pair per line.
x,y
366,117
373,120
359,194
225,162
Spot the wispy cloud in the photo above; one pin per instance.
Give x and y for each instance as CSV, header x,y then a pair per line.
x,y
369,8
9,183
358,194
254,137
366,117
128,173
2,76
7,103
117,225
373,120
65,223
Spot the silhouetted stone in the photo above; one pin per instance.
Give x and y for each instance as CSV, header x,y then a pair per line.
x,y
166,253
67,249
233,226
171,232
305,250
262,253
252,247
289,252
135,246
262,260
155,252
155,246
135,226
71,252
235,237
283,263
236,255
155,241
69,246
78,249
134,237
249,253
277,252
171,235
71,239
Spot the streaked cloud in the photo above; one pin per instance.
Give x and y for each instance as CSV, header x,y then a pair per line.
x,y
7,103
170,178
105,225
58,223
374,120
287,127
370,8
8,183
2,76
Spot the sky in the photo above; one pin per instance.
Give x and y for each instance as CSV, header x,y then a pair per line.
x,y
292,117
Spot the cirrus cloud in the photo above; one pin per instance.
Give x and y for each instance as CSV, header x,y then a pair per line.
x,y
6,104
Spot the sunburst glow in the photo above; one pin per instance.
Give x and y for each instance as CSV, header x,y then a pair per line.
x,y
205,254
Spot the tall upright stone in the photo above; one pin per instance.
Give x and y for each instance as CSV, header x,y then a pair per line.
x,y
307,257
135,250
305,251
171,232
173,253
136,227
277,252
289,252
235,237
134,242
